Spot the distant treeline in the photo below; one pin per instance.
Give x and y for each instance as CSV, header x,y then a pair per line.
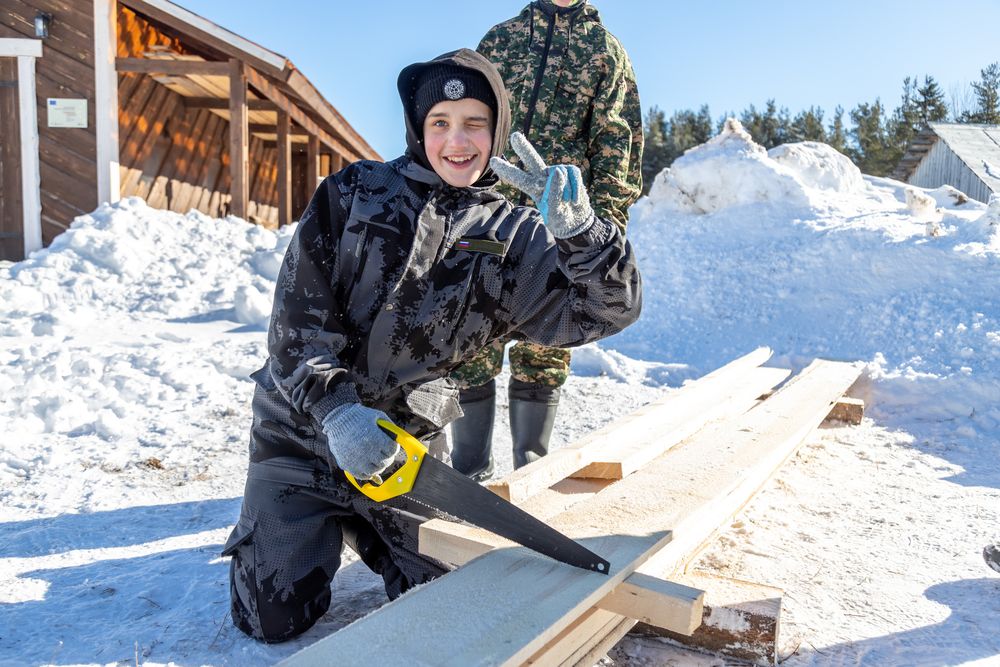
x,y
875,139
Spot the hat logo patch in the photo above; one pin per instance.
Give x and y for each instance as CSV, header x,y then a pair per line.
x,y
454,89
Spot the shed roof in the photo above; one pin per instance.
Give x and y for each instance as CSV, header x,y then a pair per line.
x,y
272,65
977,146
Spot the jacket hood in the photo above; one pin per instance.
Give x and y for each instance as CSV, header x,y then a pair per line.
x,y
468,59
550,7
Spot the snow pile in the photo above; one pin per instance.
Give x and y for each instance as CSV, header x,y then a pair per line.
x,y
860,278
732,170
819,166
131,258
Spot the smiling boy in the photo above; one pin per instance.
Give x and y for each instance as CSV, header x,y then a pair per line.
x,y
396,274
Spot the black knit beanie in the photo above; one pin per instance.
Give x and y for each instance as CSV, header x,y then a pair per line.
x,y
447,82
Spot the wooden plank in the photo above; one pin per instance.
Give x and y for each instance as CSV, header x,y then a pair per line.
x,y
31,202
106,100
201,29
722,468
13,47
740,619
667,605
144,133
223,103
284,150
238,149
312,166
271,91
11,218
173,67
203,127
647,432
592,623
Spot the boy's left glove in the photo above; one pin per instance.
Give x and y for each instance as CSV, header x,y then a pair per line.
x,y
358,444
557,191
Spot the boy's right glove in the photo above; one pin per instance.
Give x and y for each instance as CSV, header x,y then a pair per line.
x,y
358,444
558,191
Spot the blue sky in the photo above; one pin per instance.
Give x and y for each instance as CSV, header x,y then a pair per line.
x,y
726,54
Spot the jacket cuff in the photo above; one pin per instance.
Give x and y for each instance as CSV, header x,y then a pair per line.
x,y
342,394
597,234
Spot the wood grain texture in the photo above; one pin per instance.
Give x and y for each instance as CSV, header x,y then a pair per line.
x,y
647,432
736,463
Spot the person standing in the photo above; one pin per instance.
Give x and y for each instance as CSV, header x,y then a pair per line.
x,y
573,94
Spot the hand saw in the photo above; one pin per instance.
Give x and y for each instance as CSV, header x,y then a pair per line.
x,y
431,482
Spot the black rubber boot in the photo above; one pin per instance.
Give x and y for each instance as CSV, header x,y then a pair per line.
x,y
472,435
532,416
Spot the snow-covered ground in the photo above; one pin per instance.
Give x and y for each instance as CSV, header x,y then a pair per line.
x,y
124,406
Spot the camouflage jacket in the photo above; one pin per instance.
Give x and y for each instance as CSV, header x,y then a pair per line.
x,y
394,278
572,92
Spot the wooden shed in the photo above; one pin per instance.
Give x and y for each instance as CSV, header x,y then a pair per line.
x,y
102,99
964,156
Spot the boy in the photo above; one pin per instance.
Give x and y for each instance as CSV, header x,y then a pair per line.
x,y
573,95
396,274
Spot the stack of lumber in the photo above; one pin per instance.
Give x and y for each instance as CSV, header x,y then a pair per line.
x,y
646,493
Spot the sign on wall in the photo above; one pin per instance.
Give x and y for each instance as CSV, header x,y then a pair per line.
x,y
64,112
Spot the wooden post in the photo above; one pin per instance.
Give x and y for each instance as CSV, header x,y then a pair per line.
x,y
31,194
284,169
238,139
337,163
312,164
106,100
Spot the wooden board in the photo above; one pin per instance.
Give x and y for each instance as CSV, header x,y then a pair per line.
x,y
648,431
765,438
11,218
512,605
741,619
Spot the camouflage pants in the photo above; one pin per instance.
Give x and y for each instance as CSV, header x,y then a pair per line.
x,y
297,514
529,362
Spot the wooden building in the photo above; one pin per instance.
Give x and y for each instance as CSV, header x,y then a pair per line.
x,y
964,156
102,99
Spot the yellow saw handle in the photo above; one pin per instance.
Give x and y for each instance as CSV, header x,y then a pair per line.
x,y
401,481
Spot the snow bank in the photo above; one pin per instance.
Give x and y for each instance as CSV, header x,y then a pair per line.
x,y
731,170
128,257
881,272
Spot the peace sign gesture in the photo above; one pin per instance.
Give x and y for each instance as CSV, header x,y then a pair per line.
x,y
558,191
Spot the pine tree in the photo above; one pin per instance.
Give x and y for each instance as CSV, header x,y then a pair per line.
x,y
769,128
836,135
871,150
687,129
904,124
931,107
808,126
655,157
987,91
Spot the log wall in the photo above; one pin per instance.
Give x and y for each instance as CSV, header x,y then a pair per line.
x,y
174,157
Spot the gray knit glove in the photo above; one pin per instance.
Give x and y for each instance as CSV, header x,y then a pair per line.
x,y
557,191
358,444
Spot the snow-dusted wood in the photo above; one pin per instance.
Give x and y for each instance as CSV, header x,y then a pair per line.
x,y
718,471
664,604
667,605
649,431
740,619
511,604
